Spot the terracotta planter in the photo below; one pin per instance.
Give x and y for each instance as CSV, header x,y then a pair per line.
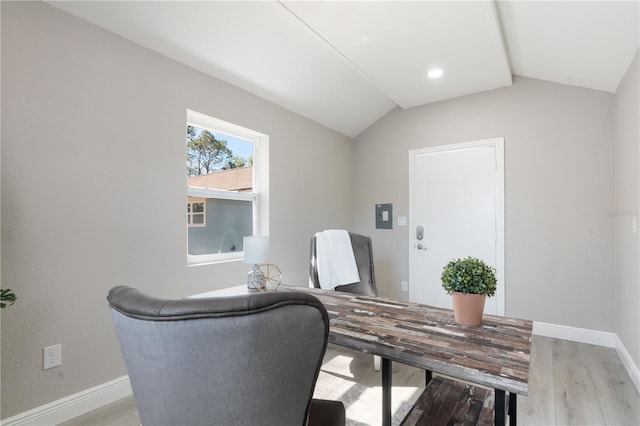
x,y
468,308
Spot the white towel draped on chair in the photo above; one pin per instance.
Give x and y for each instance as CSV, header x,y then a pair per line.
x,y
336,261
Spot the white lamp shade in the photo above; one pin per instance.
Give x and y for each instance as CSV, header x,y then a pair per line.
x,y
256,249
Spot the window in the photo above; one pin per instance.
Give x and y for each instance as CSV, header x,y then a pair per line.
x,y
196,211
225,188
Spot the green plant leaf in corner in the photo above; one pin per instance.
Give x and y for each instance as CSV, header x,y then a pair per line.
x,y
7,297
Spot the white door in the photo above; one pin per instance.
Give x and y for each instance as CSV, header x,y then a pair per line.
x,y
456,208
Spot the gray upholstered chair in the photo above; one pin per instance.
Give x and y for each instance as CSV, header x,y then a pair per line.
x,y
363,252
246,360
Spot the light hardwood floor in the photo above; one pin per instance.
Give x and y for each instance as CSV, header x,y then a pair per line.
x,y
569,384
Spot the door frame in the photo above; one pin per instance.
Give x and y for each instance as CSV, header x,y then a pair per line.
x,y
498,143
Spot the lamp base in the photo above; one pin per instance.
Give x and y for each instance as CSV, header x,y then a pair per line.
x,y
255,279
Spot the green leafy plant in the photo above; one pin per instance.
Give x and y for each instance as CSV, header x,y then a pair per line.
x,y
469,276
7,297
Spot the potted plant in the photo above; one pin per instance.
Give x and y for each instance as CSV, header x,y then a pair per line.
x,y
7,297
469,281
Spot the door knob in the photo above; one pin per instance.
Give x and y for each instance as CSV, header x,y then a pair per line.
x,y
421,247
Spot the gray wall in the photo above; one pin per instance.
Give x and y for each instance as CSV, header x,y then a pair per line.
x,y
558,184
92,127
627,208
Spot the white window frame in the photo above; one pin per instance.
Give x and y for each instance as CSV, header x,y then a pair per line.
x,y
259,195
191,213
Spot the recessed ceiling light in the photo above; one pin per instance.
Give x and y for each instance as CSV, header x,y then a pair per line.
x,y
435,73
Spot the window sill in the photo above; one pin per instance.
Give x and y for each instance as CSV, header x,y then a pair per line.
x,y
209,259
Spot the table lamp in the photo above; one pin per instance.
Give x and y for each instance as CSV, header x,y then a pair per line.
x,y
256,250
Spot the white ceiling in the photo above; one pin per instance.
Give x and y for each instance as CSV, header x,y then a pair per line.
x,y
346,64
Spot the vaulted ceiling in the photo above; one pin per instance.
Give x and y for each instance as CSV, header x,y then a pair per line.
x,y
346,64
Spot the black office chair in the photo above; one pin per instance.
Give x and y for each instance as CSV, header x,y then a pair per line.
x,y
245,360
363,253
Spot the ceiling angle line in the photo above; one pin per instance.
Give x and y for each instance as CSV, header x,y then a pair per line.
x,y
494,16
343,56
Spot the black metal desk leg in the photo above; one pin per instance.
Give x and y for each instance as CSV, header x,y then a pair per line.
x,y
512,409
428,375
500,408
386,392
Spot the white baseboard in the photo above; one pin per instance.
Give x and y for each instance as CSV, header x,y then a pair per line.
x,y
82,402
593,337
574,334
73,405
629,365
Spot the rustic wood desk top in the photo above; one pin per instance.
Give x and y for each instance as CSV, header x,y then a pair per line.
x,y
496,354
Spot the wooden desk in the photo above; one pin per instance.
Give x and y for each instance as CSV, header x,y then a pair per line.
x,y
495,355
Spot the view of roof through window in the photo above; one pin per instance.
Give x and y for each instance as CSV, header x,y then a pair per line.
x,y
218,161
221,193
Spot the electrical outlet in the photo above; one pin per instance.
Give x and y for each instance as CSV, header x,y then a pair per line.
x,y
405,286
52,356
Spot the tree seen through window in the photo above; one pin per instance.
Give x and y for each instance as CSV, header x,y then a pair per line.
x,y
220,192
